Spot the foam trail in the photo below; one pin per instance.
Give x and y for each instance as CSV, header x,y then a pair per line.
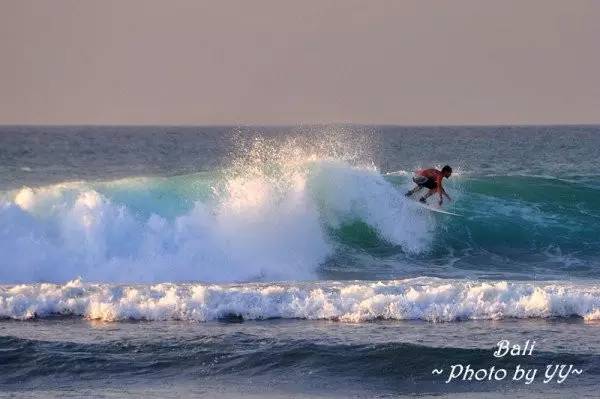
x,y
427,299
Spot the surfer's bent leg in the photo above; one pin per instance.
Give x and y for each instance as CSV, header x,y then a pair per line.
x,y
432,186
414,190
429,193
419,181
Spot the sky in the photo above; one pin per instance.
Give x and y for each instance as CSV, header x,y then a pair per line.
x,y
285,62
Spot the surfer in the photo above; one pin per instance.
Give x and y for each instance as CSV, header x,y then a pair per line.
x,y
431,179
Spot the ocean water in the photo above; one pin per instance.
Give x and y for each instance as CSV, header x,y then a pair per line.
x,y
287,262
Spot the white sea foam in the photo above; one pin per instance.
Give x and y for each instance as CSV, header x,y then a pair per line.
x,y
257,225
421,298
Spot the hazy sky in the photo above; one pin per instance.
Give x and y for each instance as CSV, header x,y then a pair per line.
x,y
288,62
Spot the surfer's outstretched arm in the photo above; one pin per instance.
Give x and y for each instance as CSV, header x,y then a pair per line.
x,y
445,193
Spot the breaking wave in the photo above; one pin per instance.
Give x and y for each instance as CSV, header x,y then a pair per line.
x,y
423,298
261,220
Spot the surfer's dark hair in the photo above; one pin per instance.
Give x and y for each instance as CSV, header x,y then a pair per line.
x,y
447,169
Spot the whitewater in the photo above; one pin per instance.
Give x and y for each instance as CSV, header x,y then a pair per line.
x,y
426,299
245,228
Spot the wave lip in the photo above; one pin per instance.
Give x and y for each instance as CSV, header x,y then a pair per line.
x,y
422,298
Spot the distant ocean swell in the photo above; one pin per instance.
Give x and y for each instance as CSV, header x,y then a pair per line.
x,y
423,298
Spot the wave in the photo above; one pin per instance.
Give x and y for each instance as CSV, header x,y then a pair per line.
x,y
423,298
282,213
251,224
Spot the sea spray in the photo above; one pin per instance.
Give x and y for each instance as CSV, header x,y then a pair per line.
x,y
267,217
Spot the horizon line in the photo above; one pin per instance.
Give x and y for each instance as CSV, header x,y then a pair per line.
x,y
282,125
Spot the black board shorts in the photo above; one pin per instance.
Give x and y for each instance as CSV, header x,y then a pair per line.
x,y
426,182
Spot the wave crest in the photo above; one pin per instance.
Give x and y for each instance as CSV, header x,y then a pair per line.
x,y
413,299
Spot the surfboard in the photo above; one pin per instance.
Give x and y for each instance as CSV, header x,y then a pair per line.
x,y
438,210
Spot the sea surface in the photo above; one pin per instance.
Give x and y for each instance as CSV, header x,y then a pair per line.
x,y
157,261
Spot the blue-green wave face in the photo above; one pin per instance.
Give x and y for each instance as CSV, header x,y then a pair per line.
x,y
519,215
523,225
299,217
